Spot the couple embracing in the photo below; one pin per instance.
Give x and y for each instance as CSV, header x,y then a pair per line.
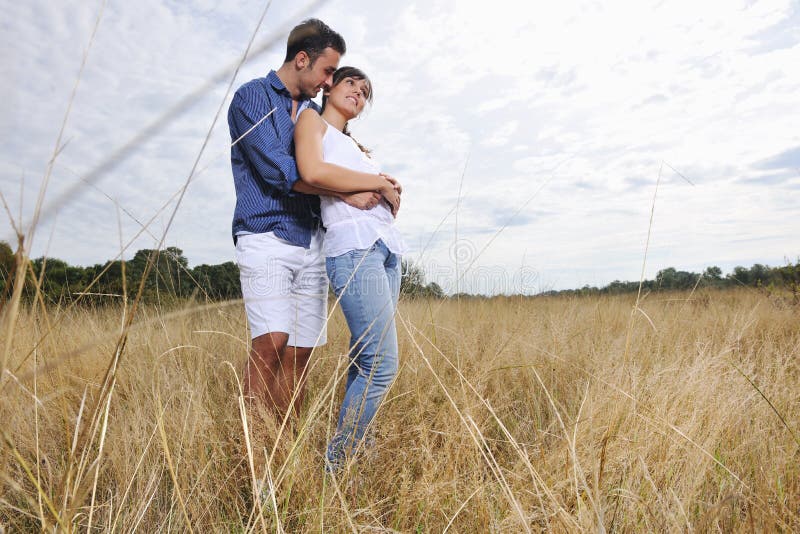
x,y
310,201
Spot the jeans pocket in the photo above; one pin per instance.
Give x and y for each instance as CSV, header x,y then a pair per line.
x,y
341,268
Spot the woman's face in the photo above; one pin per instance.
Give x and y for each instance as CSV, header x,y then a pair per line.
x,y
349,96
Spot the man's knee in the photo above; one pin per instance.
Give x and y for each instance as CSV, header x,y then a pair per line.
x,y
268,349
298,357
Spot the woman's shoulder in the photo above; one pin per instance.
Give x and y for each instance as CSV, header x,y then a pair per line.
x,y
310,116
310,120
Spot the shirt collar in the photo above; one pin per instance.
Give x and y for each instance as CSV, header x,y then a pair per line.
x,y
277,84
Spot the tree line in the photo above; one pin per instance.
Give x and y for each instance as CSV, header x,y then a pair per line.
x,y
171,279
671,279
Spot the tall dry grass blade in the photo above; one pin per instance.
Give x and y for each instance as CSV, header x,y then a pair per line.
x,y
95,425
337,490
37,403
686,301
11,220
456,256
769,402
11,276
152,490
644,264
98,461
32,394
458,207
506,224
679,174
123,266
249,448
139,463
498,473
706,453
170,466
227,150
11,309
649,320
458,511
580,475
39,294
648,477
687,525
21,201
32,479
68,475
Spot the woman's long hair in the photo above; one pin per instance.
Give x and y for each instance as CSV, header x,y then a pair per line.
x,y
357,74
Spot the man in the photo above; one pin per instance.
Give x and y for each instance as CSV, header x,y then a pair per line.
x,y
276,224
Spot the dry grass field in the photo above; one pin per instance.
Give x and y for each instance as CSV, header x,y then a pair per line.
x,y
508,415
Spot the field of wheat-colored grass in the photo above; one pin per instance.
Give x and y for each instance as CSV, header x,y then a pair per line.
x,y
508,415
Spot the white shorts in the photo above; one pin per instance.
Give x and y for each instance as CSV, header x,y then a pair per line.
x,y
285,287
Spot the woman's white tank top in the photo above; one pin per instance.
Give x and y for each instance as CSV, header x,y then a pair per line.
x,y
350,228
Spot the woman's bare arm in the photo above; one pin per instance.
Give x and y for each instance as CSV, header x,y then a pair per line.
x,y
316,172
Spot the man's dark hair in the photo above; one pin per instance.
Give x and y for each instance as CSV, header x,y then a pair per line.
x,y
313,36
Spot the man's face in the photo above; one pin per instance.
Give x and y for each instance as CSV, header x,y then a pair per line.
x,y
318,75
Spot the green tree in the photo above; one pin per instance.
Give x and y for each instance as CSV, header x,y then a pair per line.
x,y
110,285
665,278
433,290
788,277
168,277
759,274
740,275
412,283
713,273
219,282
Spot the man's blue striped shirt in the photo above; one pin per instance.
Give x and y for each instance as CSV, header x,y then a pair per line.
x,y
263,164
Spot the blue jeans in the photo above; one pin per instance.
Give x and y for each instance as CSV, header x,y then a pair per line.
x,y
367,282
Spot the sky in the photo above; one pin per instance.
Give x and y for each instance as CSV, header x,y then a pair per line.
x,y
534,140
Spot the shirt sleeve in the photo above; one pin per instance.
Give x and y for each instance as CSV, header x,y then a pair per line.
x,y
261,146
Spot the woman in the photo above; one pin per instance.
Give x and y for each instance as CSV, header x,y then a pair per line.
x,y
362,250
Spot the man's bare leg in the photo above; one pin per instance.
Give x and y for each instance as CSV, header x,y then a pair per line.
x,y
262,382
275,373
294,375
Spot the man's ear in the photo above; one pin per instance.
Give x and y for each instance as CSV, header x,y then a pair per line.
x,y
301,60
